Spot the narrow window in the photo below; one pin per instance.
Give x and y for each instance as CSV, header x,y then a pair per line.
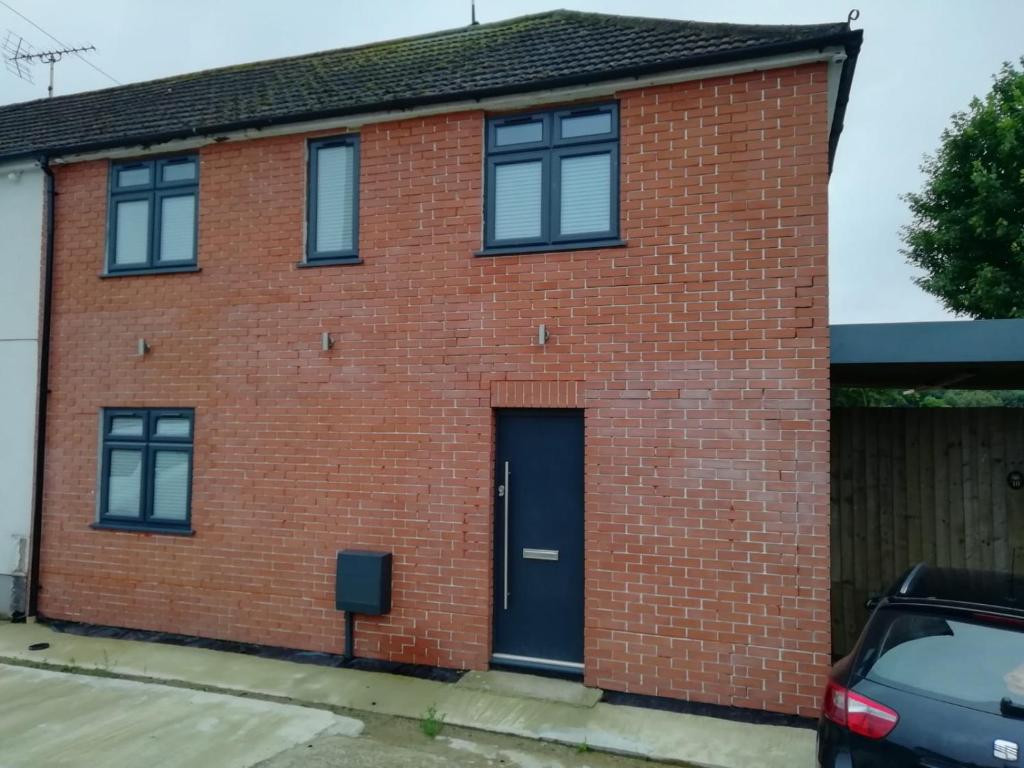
x,y
146,470
153,206
552,180
332,227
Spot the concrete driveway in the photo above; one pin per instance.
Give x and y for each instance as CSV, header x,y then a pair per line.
x,y
53,719
57,719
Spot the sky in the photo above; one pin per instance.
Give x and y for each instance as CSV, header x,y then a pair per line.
x,y
922,61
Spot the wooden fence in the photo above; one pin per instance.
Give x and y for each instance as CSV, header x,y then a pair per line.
x,y
929,484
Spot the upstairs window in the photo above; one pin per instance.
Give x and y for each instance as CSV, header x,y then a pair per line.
x,y
552,180
332,227
152,215
146,469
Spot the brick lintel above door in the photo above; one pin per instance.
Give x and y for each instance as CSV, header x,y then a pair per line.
x,y
537,394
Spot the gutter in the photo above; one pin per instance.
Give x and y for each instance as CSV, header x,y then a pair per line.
x,y
850,40
834,56
50,197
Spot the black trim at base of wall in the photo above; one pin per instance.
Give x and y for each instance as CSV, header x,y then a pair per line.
x,y
720,711
419,671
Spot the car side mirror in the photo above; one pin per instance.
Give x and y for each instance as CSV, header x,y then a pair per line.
x,y
872,602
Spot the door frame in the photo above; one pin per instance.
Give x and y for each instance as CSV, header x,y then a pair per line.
x,y
573,670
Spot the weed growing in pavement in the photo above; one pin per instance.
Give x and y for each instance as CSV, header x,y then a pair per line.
x,y
432,723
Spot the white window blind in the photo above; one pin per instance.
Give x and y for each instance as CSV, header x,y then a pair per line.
x,y
124,486
126,426
170,485
585,194
335,192
131,236
517,200
172,426
177,228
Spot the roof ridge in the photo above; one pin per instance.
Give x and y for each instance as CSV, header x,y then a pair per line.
x,y
668,21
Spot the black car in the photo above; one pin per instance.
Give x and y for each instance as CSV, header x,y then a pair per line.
x,y
936,679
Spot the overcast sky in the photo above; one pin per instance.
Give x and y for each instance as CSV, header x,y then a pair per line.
x,y
922,60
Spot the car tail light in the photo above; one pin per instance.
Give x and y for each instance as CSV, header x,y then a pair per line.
x,y
858,713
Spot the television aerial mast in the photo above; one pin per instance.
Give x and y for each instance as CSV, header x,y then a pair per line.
x,y
19,57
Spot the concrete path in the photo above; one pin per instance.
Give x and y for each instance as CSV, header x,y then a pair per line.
x,y
55,719
489,704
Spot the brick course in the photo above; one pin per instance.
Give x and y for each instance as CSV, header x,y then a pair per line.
x,y
699,351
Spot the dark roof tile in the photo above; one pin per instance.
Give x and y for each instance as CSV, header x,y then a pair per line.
x,y
521,54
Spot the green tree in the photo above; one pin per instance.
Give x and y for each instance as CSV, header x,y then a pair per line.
x,y
967,231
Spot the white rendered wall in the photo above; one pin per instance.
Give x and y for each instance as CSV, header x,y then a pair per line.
x,y
21,231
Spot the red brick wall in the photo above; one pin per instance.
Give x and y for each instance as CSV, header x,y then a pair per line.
x,y
700,353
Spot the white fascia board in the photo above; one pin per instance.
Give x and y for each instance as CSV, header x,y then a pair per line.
x,y
835,73
833,55
18,166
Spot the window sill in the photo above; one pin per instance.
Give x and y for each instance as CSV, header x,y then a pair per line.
x,y
128,528
337,262
507,250
151,271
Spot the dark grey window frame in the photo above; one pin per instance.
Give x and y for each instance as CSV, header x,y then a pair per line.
x,y
549,151
154,192
313,257
148,444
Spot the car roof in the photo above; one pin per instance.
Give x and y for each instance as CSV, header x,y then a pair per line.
x,y
1000,592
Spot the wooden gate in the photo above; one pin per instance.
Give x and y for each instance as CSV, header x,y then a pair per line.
x,y
927,484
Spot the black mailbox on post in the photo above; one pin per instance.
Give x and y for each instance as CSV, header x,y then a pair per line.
x,y
363,583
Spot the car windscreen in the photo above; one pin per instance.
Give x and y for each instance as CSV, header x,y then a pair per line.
x,y
966,659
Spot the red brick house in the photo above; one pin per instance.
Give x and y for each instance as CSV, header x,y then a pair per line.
x,y
538,307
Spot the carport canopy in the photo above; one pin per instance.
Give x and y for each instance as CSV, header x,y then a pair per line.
x,y
961,354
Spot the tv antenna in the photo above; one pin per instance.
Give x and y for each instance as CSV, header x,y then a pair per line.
x,y
19,57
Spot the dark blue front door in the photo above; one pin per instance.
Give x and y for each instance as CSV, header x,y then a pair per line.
x,y
538,558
